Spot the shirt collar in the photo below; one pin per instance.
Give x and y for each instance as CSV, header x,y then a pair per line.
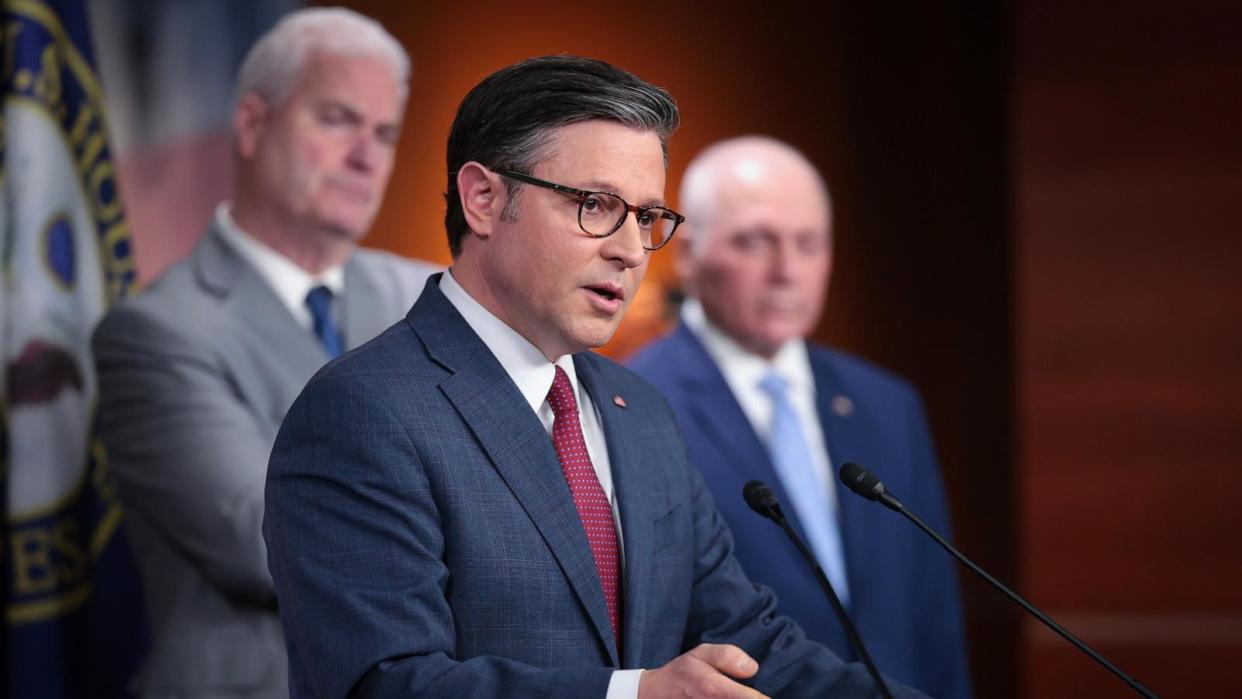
x,y
791,362
521,360
290,282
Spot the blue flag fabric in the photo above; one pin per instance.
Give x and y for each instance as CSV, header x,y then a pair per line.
x,y
73,621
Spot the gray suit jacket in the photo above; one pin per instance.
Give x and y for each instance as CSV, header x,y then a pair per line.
x,y
195,376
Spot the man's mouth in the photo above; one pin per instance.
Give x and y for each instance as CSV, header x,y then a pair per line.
x,y
358,192
783,306
609,292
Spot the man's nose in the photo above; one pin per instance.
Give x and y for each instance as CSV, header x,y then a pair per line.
x,y
626,243
784,258
365,153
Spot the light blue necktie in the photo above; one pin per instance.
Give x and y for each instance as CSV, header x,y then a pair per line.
x,y
319,303
791,455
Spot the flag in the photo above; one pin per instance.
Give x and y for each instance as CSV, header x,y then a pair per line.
x,y
73,623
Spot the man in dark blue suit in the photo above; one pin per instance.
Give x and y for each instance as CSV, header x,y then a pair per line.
x,y
442,520
755,401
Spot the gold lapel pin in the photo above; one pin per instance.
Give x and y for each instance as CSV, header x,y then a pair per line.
x,y
842,405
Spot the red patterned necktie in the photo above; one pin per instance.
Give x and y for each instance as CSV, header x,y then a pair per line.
x,y
593,507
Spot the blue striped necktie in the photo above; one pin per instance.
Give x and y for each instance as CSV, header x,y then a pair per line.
x,y
809,495
319,303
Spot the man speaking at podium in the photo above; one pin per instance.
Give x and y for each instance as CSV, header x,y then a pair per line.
x,y
472,504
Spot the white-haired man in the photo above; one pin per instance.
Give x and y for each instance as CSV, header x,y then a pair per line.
x,y
197,372
755,400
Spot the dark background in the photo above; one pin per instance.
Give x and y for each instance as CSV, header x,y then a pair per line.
x,y
1036,221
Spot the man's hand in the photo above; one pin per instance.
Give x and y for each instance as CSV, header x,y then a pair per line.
x,y
703,671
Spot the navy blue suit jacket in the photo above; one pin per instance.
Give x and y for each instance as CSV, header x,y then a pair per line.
x,y
903,588
423,540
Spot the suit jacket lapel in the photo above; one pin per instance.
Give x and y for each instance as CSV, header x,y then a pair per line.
x,y
363,311
517,444
633,477
845,443
252,302
717,412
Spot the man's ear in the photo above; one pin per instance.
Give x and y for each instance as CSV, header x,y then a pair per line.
x,y
483,197
249,122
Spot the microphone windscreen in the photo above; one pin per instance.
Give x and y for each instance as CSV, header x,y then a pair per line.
x,y
861,481
760,498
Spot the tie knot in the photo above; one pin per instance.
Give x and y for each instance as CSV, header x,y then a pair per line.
x,y
319,300
319,303
774,385
561,395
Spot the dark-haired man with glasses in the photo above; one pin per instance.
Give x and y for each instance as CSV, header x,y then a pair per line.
x,y
473,504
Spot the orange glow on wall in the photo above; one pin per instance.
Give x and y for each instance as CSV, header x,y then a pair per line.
x,y
690,52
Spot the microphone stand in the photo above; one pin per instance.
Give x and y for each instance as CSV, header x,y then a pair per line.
x,y
873,489
763,500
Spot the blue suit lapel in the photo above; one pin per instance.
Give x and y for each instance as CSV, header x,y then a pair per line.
x,y
633,477
846,442
515,441
718,414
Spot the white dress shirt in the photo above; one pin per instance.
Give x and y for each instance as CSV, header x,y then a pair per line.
x,y
290,282
743,371
533,374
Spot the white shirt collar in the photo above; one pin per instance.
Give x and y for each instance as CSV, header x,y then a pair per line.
x,y
533,374
791,362
290,282
521,360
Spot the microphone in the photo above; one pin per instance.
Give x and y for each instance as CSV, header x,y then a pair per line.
x,y
764,502
866,484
